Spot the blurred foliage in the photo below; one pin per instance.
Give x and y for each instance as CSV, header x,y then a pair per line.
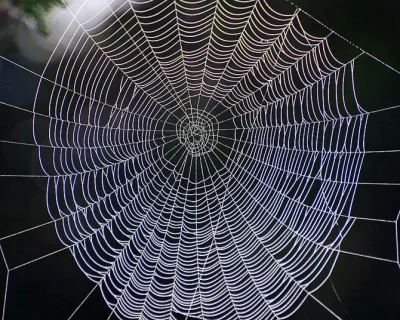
x,y
36,10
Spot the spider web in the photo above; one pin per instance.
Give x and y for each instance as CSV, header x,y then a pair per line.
x,y
201,157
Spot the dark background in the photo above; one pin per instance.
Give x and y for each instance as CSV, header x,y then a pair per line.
x,y
358,289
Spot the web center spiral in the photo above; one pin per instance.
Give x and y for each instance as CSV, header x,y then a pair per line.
x,y
198,132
